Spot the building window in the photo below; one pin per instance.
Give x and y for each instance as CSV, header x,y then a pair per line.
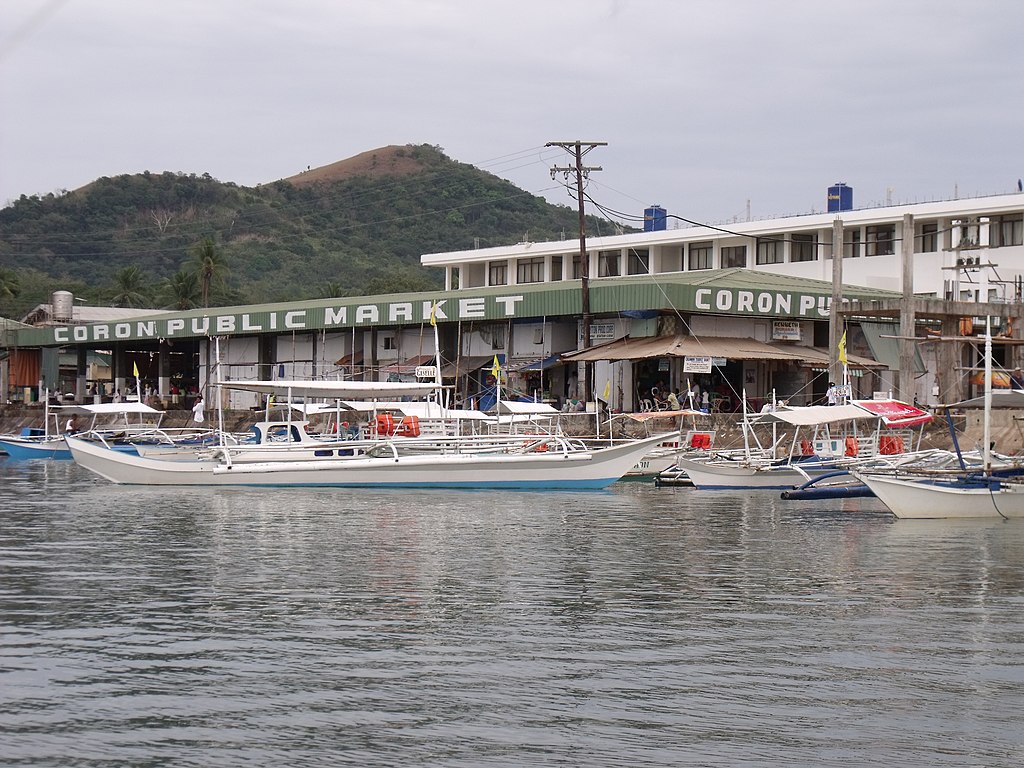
x,y
530,270
556,268
608,264
497,273
769,252
803,248
929,237
388,342
577,267
1006,230
639,261
851,246
880,240
701,255
734,256
498,337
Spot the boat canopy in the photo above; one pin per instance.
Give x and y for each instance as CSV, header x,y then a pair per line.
x,y
420,409
104,409
521,408
893,413
340,390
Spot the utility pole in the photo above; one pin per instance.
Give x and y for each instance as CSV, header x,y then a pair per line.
x,y
580,172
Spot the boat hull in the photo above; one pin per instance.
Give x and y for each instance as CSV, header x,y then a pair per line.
x,y
594,469
742,476
929,499
21,449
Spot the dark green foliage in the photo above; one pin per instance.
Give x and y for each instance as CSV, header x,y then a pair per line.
x,y
276,242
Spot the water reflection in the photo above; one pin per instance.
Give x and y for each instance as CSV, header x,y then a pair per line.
x,y
638,626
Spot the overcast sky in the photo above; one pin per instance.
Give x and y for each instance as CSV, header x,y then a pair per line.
x,y
708,107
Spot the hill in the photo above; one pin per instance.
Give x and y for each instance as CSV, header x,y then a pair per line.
x,y
353,227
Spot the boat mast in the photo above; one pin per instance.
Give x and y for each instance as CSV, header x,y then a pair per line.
x,y
987,428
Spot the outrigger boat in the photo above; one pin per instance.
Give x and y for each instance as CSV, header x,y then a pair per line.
x,y
507,462
111,421
825,450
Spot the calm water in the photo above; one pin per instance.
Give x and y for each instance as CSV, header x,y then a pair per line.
x,y
635,627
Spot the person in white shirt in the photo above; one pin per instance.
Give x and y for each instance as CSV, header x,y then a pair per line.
x,y
198,415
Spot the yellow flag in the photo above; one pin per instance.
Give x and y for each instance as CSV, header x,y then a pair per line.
x,y
496,368
433,313
842,349
607,390
135,369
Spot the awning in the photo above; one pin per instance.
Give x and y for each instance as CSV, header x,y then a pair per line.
x,y
887,350
644,348
537,365
408,367
356,358
466,365
816,357
1003,398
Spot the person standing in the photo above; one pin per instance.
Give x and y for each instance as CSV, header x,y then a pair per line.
x,y
198,410
832,394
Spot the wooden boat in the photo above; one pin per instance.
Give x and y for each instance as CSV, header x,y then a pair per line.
x,y
824,451
528,462
988,491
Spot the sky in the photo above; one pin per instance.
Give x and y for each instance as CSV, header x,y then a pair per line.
x,y
716,110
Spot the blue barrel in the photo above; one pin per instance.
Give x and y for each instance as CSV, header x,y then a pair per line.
x,y
655,219
840,198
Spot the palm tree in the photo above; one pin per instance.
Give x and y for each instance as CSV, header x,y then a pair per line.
x,y
332,290
210,268
181,290
10,287
130,288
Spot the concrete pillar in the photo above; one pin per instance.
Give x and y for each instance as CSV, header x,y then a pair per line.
x,y
906,390
163,372
82,374
835,330
948,376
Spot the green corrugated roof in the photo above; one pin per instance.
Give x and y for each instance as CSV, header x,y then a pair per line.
x,y
727,291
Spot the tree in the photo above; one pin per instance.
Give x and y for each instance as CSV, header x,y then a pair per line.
x,y
332,289
181,290
210,267
130,288
10,286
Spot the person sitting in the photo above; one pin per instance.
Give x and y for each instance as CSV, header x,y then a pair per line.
x,y
673,401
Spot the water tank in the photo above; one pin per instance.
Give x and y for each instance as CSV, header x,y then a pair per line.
x,y
655,219
63,304
840,197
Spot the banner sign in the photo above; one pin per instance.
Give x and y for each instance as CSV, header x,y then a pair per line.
x,y
697,364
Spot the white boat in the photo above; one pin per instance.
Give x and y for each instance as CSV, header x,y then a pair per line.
x,y
969,492
823,451
520,462
110,420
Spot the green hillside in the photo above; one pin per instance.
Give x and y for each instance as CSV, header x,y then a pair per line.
x,y
355,227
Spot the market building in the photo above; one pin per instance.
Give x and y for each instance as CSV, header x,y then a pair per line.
x,y
737,310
